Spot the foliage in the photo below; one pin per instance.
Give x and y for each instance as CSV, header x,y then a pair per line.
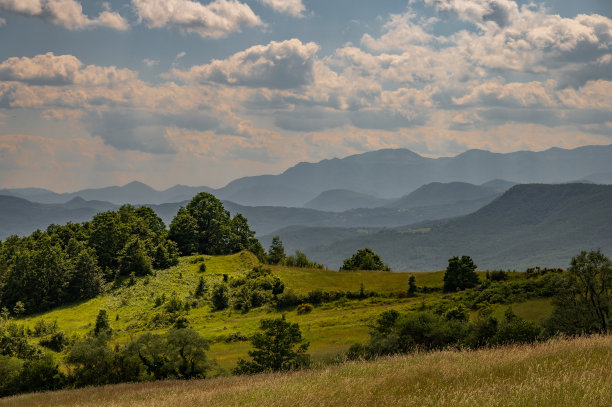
x,y
177,354
56,341
364,259
304,309
412,285
584,302
102,326
206,227
220,297
72,262
279,347
460,274
276,252
300,260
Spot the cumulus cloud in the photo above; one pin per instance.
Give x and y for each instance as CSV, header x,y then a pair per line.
x,y
65,13
500,12
215,19
51,69
278,65
399,32
294,8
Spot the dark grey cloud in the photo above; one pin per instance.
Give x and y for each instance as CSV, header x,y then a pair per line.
x,y
385,120
309,119
144,131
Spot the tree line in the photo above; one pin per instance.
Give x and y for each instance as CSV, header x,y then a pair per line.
x,y
77,261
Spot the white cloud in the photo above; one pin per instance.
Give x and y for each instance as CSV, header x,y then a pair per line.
x,y
280,65
150,62
50,69
65,13
501,12
399,32
215,19
294,8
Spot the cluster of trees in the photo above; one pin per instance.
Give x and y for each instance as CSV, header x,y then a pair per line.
x,y
582,299
403,333
93,360
364,259
256,288
73,262
179,353
276,255
204,226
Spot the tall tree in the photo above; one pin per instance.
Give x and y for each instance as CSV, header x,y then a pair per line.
x,y
460,274
364,259
584,302
276,252
279,346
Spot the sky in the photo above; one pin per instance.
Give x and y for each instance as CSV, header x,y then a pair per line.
x,y
97,93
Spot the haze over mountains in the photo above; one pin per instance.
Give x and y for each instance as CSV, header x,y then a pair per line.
x,y
409,208
528,225
381,174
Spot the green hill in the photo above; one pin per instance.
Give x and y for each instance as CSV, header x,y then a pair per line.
x,y
565,373
438,193
331,328
528,225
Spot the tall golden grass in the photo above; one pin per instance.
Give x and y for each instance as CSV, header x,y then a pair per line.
x,y
560,372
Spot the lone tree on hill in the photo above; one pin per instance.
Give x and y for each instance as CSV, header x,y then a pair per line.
x,y
460,274
275,348
364,259
276,252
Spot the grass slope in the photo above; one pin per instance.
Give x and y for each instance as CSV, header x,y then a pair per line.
x,y
556,373
331,328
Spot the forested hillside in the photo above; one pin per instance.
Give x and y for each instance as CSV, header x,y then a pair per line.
x,y
528,225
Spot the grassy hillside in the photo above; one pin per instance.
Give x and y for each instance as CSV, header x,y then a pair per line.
x,y
331,328
557,373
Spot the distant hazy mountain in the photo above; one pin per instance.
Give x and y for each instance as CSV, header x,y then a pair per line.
x,y
600,178
500,185
392,173
384,173
134,193
340,200
529,225
439,193
22,217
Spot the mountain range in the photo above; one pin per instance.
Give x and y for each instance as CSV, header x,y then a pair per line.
x,y
455,199
528,225
382,174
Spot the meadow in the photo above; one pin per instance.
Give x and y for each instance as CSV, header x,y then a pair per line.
x,y
330,329
559,372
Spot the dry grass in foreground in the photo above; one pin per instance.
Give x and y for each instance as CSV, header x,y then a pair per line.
x,y
576,372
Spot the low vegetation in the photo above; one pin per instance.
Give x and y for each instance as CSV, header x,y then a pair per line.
x,y
156,316
560,372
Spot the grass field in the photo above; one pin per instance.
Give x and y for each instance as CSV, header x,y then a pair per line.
x,y
331,328
573,372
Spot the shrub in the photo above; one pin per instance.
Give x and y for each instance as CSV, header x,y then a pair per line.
x,y
57,341
220,297
304,309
